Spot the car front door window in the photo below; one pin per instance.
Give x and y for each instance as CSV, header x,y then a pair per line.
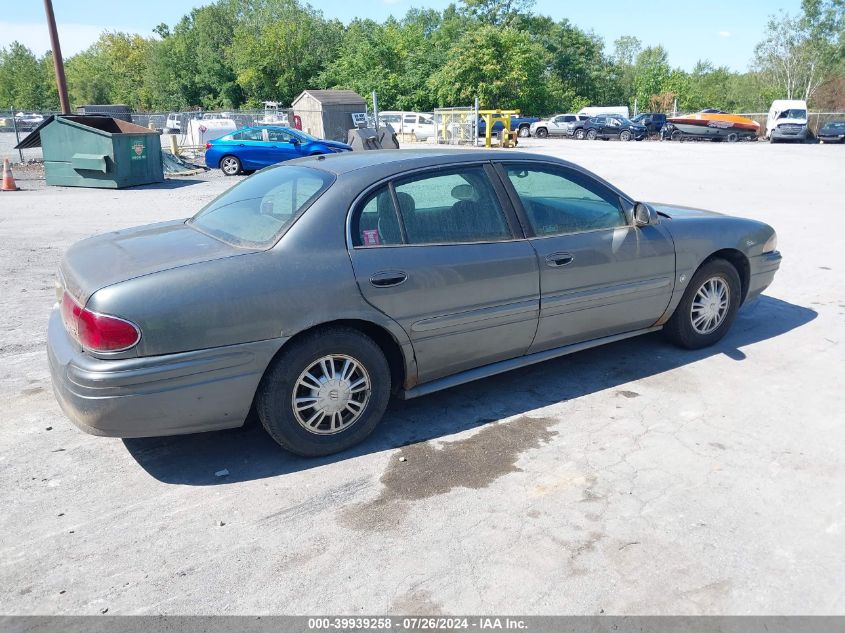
x,y
557,204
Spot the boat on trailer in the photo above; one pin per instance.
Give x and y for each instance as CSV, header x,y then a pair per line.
x,y
713,125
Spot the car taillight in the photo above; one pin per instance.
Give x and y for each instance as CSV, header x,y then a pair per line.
x,y
98,332
208,146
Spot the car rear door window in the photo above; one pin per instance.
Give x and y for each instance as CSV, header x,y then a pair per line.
x,y
455,207
248,135
376,223
558,202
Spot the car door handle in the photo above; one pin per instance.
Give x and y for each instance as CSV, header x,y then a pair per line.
x,y
555,260
387,278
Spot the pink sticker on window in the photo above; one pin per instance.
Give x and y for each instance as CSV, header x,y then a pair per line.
x,y
371,237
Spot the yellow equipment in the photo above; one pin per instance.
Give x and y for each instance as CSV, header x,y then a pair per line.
x,y
508,138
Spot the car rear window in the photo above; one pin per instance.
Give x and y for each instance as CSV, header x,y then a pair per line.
x,y
256,212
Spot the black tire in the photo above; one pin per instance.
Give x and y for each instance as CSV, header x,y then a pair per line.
x,y
677,135
524,131
231,165
680,330
579,134
274,399
591,135
733,137
542,132
625,135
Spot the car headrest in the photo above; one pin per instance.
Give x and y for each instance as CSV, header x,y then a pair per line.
x,y
406,203
464,192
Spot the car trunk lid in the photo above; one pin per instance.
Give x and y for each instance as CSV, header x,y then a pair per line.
x,y
110,258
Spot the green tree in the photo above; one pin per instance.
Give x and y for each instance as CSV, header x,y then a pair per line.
x,y
279,49
503,67
496,12
792,59
651,72
25,81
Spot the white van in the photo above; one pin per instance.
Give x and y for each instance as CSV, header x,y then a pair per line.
x,y
787,121
595,111
419,124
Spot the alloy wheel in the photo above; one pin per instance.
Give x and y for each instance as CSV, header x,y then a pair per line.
x,y
230,165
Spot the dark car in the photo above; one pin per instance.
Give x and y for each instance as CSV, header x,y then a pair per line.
x,y
257,147
833,132
519,124
609,126
314,290
653,121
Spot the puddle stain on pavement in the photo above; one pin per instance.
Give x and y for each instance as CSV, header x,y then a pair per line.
x,y
423,470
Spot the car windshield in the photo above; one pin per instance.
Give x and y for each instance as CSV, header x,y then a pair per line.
x,y
793,113
256,212
836,125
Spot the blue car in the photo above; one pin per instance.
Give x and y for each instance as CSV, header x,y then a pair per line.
x,y
253,148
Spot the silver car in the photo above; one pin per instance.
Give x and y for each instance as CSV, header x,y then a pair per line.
x,y
314,290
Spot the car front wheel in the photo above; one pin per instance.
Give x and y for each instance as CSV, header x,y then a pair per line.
x,y
625,135
542,132
708,307
579,134
230,165
325,393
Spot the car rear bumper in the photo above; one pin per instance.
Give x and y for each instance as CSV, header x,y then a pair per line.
x,y
187,392
763,269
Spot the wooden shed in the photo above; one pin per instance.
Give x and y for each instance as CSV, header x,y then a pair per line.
x,y
328,113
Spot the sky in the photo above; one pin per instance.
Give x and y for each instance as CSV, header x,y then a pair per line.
x,y
725,32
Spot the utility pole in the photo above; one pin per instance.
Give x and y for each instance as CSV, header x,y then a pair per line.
x,y
58,63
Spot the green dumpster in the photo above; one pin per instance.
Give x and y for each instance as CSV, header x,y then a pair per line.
x,y
97,151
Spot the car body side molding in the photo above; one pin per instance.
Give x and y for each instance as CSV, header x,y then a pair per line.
x,y
515,363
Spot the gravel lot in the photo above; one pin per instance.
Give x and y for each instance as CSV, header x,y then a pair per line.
x,y
632,479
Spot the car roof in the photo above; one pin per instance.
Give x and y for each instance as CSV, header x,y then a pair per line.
x,y
377,164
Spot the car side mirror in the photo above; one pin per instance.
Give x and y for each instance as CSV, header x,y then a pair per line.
x,y
644,215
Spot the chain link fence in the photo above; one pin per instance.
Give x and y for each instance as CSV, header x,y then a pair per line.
x,y
456,126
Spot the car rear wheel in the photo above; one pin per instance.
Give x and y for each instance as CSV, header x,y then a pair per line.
x,y
625,135
542,132
230,165
324,393
524,131
579,134
708,307
592,135
677,135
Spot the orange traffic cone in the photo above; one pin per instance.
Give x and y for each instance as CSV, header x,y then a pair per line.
x,y
8,178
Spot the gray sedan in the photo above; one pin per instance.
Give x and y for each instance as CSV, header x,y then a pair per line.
x,y
314,290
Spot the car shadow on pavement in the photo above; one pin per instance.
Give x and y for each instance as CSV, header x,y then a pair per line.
x,y
249,453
